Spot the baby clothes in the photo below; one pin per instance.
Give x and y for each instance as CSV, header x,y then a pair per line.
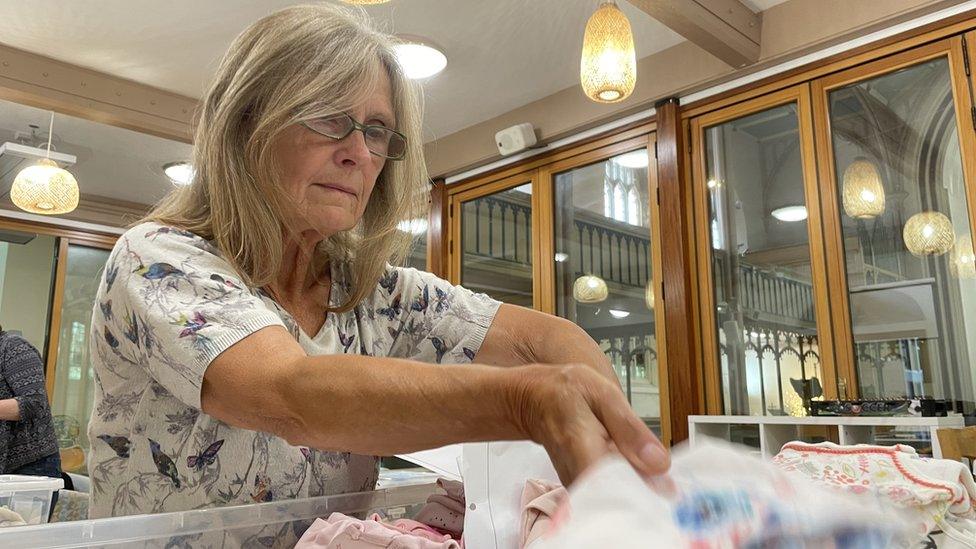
x,y
936,491
445,512
715,497
342,532
408,526
540,500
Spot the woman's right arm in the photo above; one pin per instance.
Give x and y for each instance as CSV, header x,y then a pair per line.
x,y
384,406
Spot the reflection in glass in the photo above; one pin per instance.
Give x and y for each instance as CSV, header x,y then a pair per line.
x,y
913,309
417,228
603,269
74,383
26,281
768,346
496,236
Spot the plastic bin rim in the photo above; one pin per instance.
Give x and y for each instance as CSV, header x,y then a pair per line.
x,y
18,483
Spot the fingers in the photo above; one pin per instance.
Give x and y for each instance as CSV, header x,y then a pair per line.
x,y
629,434
584,445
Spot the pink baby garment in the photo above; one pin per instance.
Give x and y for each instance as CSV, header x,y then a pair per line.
x,y
540,500
342,532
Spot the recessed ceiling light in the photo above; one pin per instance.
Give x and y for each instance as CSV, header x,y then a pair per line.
x,y
560,257
618,313
419,58
180,173
790,213
634,159
414,226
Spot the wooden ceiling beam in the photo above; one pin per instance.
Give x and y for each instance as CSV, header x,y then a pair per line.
x,y
727,29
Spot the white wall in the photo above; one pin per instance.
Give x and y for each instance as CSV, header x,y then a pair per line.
x,y
27,278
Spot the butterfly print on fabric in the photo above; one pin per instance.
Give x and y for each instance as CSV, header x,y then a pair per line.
x,y
423,300
206,457
393,310
389,281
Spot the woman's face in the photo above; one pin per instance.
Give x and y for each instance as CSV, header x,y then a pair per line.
x,y
329,180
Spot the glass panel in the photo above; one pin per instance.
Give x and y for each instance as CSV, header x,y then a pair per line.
x,y
27,263
603,269
496,236
907,238
766,323
74,381
418,252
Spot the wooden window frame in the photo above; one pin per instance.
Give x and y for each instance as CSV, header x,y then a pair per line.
x,y
800,96
952,50
540,172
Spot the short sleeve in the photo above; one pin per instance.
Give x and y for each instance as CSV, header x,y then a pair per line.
x,y
440,322
169,303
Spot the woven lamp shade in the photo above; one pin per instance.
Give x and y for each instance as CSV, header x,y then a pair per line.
x,y
608,66
649,296
963,261
928,233
864,196
44,188
590,289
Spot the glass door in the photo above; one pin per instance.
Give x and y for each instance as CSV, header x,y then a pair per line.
x,y
604,262
74,384
765,317
899,213
492,240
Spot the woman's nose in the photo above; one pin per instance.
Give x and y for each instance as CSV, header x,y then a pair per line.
x,y
354,151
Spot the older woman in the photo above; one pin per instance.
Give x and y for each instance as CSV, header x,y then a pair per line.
x,y
251,340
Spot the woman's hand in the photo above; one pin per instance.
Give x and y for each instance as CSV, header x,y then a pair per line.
x,y
579,416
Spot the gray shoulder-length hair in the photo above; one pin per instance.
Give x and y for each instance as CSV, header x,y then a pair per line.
x,y
294,65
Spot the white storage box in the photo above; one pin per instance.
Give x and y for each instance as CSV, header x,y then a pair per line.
x,y
274,524
29,497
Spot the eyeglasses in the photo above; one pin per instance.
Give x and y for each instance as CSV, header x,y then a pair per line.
x,y
380,140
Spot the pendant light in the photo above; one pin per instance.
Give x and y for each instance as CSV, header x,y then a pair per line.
x,y
864,196
590,289
44,188
608,65
963,263
928,233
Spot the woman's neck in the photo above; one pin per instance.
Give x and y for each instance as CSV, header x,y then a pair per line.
x,y
299,270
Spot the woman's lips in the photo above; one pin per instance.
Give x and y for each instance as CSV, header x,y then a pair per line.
x,y
339,188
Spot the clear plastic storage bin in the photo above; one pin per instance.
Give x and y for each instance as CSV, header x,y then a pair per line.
x,y
275,524
29,497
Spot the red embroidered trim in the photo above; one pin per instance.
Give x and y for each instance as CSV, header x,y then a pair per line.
x,y
891,452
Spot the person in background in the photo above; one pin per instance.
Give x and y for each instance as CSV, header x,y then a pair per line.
x,y
28,444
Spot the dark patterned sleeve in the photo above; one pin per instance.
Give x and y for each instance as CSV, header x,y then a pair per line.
x,y
438,322
24,373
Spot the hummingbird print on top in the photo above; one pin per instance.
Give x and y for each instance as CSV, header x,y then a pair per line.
x,y
164,463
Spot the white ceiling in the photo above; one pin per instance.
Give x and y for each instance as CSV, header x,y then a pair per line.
x,y
502,54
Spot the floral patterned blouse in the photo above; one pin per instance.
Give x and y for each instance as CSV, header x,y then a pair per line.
x,y
167,305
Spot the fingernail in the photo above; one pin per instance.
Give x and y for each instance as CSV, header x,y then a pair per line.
x,y
653,455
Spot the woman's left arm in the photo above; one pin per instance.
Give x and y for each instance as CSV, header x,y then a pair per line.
x,y
24,373
524,336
